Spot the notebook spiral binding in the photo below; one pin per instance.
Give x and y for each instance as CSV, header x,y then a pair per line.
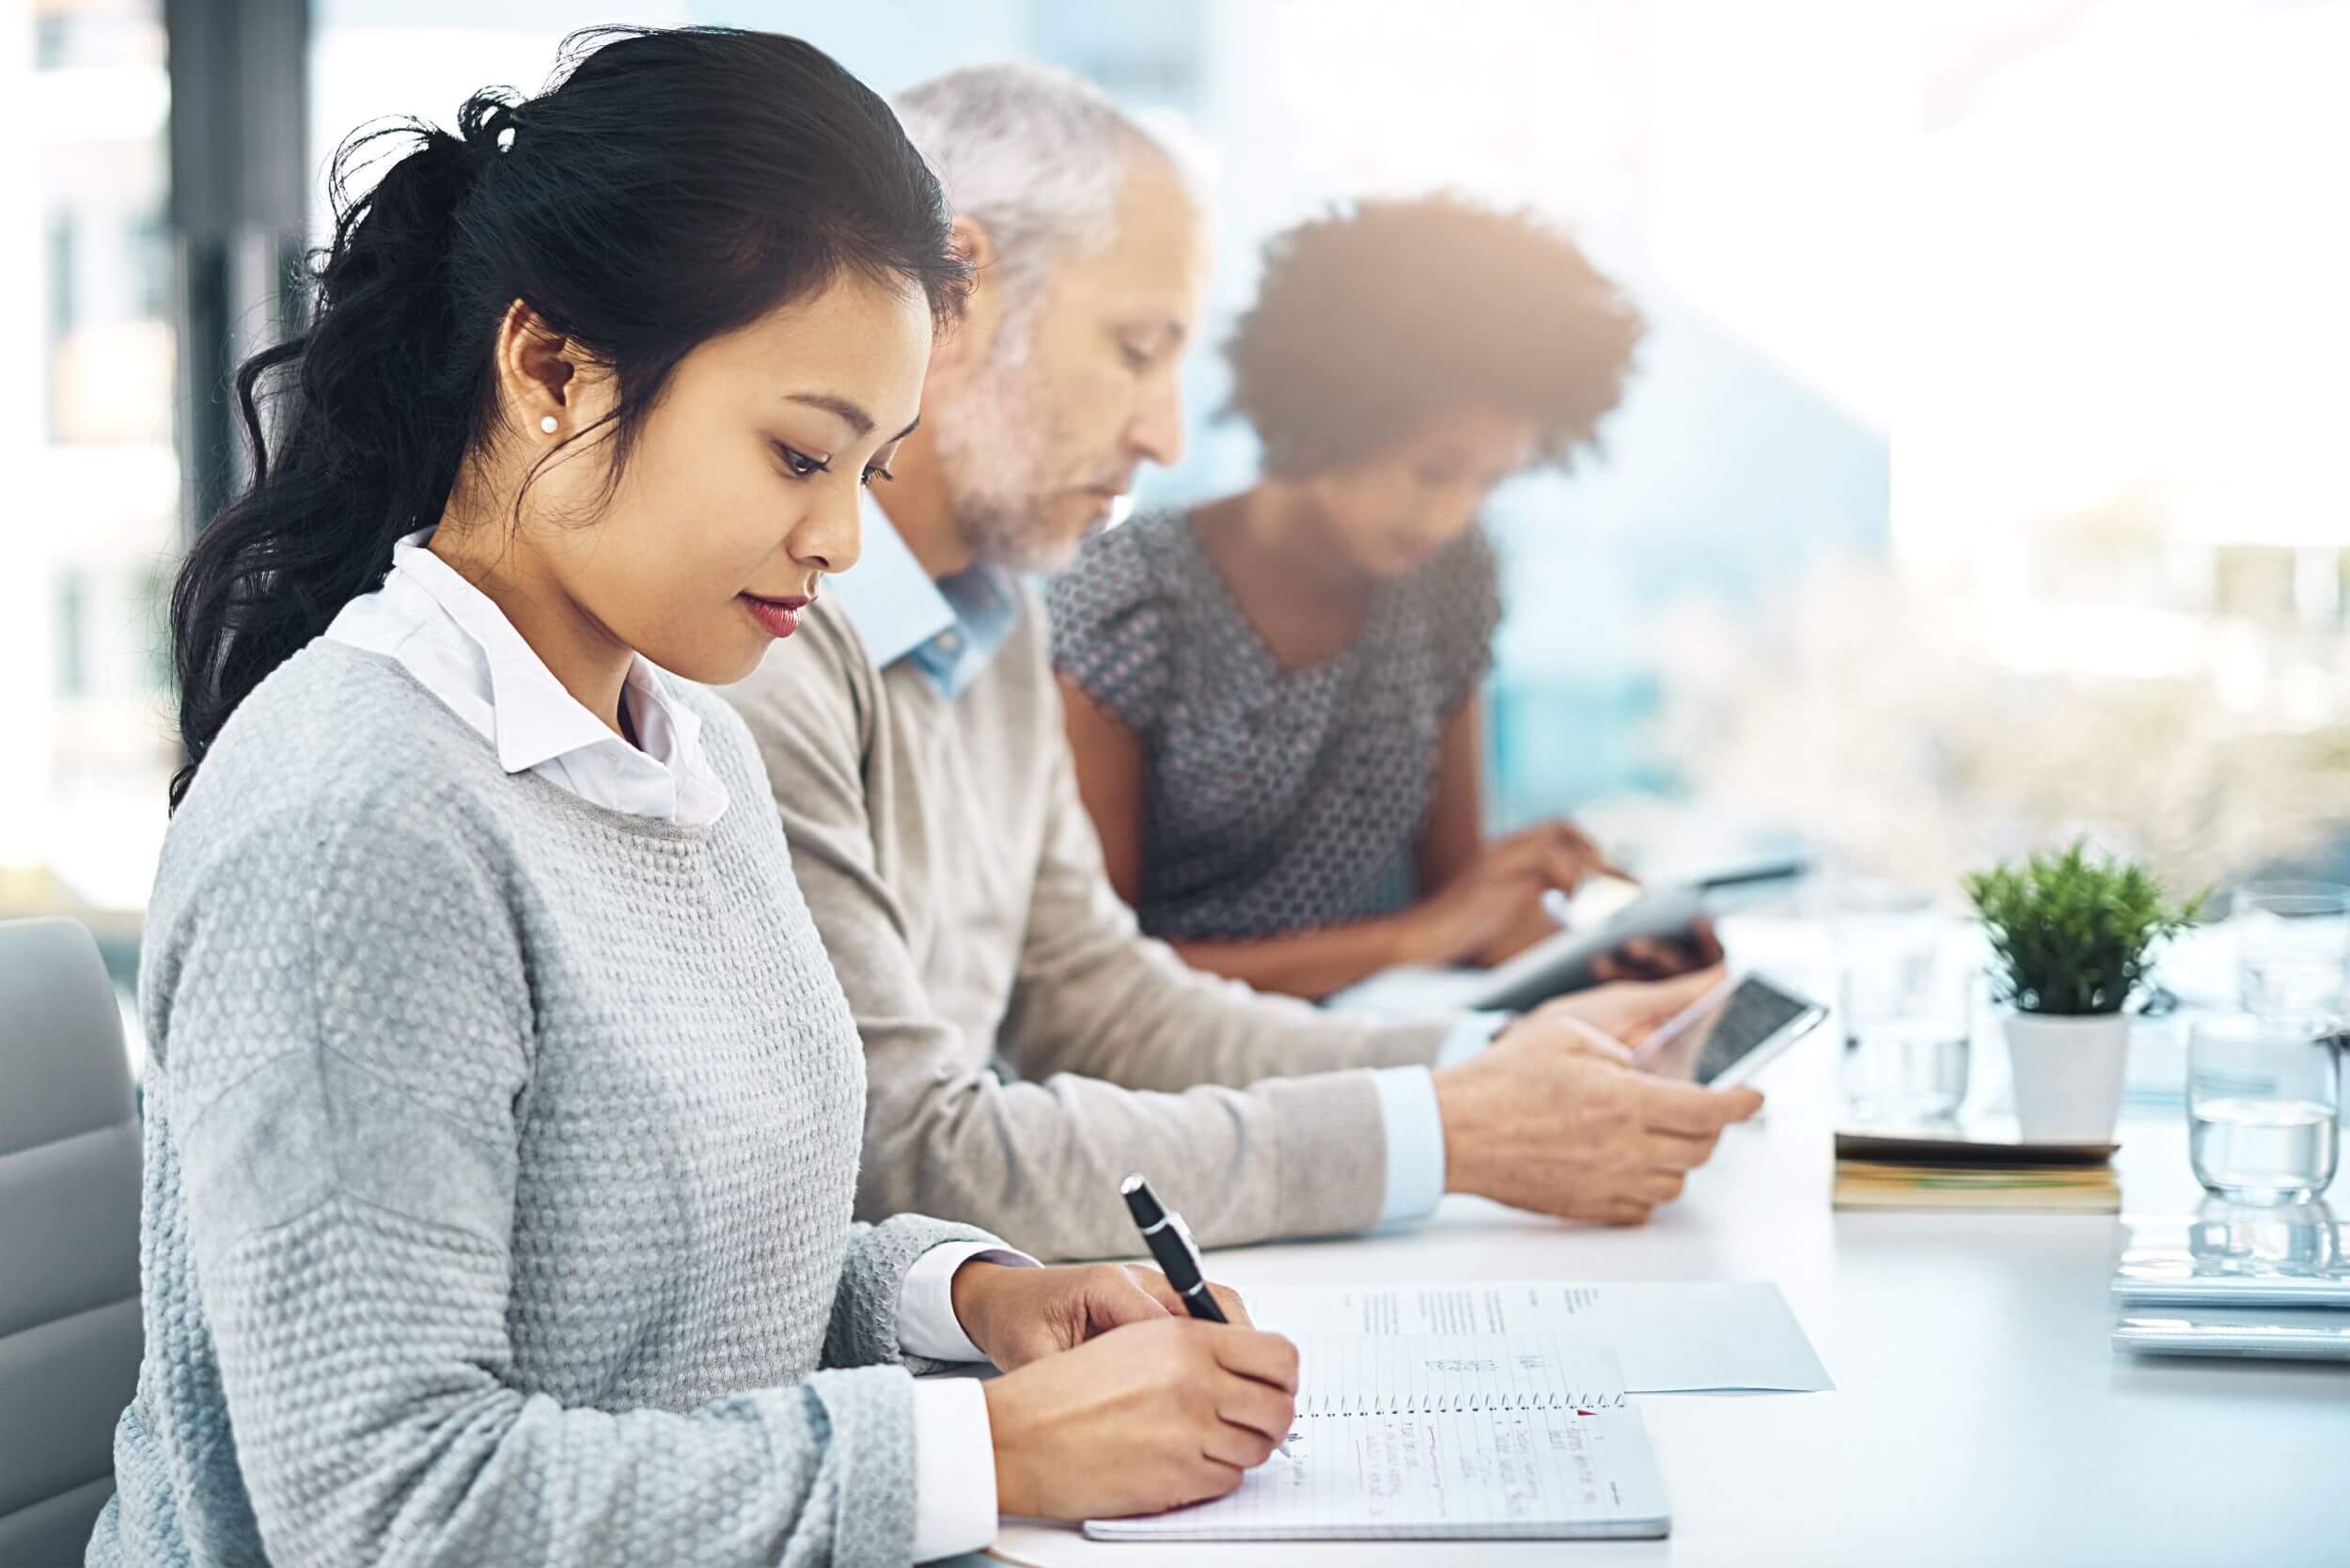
x,y
1457,1404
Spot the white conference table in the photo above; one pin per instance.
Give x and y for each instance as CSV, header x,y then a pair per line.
x,y
1980,1415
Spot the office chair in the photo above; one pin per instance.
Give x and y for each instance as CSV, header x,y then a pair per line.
x,y
70,1336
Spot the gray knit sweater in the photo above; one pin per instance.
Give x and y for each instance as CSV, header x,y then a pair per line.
x,y
500,1155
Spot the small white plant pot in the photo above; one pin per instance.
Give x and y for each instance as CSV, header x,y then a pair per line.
x,y
2068,1075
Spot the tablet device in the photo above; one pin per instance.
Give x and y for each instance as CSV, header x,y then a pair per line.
x,y
1569,960
1730,1033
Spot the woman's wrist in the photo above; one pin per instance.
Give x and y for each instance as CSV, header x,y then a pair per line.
x,y
1015,1490
1405,938
968,1293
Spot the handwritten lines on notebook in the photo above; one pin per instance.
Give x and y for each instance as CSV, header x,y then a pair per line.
x,y
1436,1436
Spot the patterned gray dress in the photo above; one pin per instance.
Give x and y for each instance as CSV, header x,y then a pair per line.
x,y
1277,799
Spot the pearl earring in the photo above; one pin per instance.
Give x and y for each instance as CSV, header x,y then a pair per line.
x,y
547,424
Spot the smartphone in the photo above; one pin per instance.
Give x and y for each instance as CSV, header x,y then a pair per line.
x,y
1730,1033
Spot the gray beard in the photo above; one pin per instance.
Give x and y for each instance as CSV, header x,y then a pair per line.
x,y
1009,536
996,457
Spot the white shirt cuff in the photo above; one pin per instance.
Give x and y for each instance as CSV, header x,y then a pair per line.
x,y
927,1324
955,1466
1415,1129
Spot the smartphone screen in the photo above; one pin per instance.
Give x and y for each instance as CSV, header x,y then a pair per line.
x,y
1728,1026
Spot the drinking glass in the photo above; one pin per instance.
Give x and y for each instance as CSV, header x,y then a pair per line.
x,y
2262,1099
2264,1239
2293,946
1906,990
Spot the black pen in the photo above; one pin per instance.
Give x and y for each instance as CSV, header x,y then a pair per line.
x,y
1169,1241
1170,1246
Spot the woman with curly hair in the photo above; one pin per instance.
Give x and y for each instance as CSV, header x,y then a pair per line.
x,y
1272,697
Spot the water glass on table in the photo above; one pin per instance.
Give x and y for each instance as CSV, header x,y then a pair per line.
x,y
2237,1240
2293,946
2264,1095
1906,990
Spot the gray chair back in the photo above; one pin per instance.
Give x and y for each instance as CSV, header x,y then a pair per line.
x,y
69,1337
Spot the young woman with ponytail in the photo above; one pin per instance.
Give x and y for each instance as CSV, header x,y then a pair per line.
x,y
502,1110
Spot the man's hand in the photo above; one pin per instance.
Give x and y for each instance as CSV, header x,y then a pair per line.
x,y
1553,1117
1616,1020
1018,1315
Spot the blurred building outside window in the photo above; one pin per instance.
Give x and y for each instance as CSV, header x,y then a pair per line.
x,y
2114,601
87,434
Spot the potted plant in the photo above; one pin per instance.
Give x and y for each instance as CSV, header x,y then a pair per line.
x,y
2072,939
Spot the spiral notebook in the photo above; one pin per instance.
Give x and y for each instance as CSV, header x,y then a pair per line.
x,y
1442,1437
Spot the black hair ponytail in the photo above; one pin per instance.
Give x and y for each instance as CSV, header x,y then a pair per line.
x,y
672,186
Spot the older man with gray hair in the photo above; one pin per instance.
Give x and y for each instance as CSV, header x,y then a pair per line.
x,y
1025,1048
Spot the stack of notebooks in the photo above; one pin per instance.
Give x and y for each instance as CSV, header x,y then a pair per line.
x,y
2267,1285
1923,1169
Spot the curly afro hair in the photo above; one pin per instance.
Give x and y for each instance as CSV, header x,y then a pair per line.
x,y
1370,323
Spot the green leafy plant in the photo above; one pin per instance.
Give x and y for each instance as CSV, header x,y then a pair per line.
x,y
2073,935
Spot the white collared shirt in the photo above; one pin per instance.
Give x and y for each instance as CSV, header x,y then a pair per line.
x,y
459,646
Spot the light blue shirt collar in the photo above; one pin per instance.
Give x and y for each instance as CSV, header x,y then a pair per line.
x,y
951,628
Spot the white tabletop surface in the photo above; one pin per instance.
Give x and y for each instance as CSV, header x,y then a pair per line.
x,y
1979,1416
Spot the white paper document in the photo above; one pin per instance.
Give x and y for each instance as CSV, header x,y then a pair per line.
x,y
1670,1337
1442,1436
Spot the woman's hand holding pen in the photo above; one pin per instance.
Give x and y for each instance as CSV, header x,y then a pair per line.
x,y
1018,1315
1149,1417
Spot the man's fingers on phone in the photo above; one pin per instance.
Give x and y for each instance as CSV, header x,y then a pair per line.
x,y
1743,1102
1674,1150
1681,990
1695,1110
1657,1186
1588,1039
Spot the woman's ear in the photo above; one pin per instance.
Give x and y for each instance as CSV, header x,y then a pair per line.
x,y
537,369
966,346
